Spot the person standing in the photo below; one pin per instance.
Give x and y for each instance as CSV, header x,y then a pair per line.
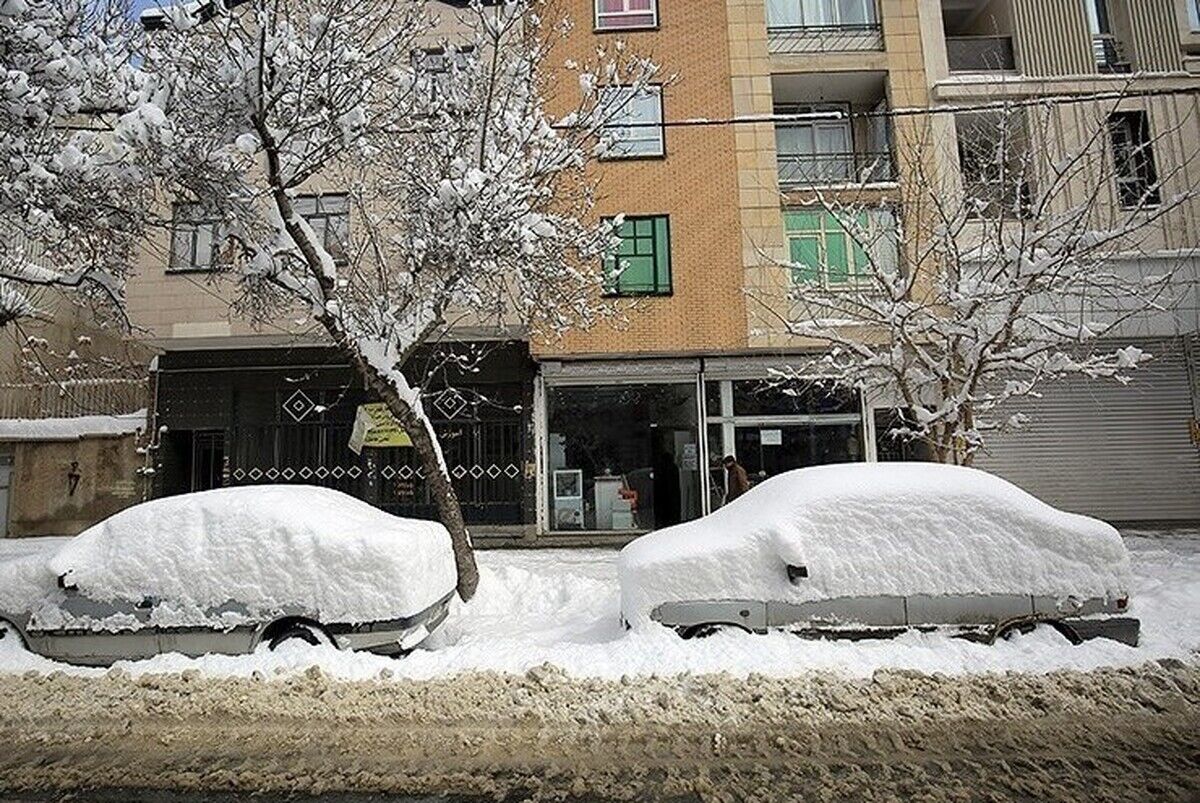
x,y
736,481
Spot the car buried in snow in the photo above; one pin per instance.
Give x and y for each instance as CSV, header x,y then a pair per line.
x,y
229,571
872,550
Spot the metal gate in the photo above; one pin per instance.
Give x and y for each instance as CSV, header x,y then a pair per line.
x,y
483,440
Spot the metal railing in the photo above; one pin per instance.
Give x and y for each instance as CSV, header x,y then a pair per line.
x,y
981,54
1110,54
798,170
73,397
789,39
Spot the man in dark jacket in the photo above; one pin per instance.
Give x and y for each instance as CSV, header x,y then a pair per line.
x,y
736,481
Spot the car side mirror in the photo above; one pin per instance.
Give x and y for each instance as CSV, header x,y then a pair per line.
x,y
796,573
66,583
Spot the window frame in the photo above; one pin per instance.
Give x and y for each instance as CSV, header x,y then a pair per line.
x,y
598,16
657,91
1137,168
327,216
834,12
612,287
194,224
856,281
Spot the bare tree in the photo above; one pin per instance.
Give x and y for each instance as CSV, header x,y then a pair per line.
x,y
469,199
73,195
1000,261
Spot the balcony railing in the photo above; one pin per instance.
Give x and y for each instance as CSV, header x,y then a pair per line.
x,y
799,170
786,40
980,54
1110,55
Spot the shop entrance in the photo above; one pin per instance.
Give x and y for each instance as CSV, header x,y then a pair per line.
x,y
771,428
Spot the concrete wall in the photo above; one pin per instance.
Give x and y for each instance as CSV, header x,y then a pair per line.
x,y
41,501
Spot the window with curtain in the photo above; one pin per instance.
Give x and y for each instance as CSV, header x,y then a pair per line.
x,y
642,264
625,14
636,128
820,13
815,151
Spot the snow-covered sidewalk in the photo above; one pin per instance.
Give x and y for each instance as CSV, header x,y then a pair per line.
x,y
561,607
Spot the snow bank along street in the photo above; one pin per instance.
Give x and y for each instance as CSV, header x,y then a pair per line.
x,y
535,690
561,607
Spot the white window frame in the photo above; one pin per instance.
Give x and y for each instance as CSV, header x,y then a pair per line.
x,y
634,135
599,17
186,222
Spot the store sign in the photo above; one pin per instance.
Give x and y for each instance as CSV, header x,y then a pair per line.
x,y
770,437
375,426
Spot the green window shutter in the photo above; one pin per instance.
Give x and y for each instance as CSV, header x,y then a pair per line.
x,y
806,259
837,266
662,255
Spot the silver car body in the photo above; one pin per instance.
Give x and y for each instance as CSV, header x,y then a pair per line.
x,y
980,616
142,639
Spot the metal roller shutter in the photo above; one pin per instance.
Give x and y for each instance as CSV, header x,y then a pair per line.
x,y
1119,453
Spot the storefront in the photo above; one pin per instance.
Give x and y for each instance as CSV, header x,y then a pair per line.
x,y
623,450
249,416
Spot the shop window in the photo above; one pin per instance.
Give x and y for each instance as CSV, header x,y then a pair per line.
x,y
642,264
1133,159
619,15
826,251
634,126
622,457
763,397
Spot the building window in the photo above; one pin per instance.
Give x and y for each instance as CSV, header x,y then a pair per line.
x,y
635,127
440,66
642,264
1193,8
1133,159
329,217
823,252
196,238
821,13
618,15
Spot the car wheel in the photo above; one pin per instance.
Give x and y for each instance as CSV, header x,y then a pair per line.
x,y
9,631
705,630
299,631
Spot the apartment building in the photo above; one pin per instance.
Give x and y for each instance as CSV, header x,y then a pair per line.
x,y
620,429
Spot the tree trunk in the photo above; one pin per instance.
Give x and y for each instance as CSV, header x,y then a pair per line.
x,y
435,474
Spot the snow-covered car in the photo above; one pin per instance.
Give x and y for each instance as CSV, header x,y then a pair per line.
x,y
228,570
861,550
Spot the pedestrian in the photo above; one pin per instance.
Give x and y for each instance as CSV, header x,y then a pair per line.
x,y
736,481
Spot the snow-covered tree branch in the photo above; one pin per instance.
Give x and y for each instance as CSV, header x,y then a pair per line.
x,y
972,287
467,195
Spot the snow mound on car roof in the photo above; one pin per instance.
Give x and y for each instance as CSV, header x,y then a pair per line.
x,y
268,547
875,529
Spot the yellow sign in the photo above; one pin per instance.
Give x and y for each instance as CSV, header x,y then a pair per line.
x,y
374,425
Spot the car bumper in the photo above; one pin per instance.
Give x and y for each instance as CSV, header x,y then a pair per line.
x,y
395,636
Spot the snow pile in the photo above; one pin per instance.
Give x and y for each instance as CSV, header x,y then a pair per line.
x,y
69,429
270,548
875,529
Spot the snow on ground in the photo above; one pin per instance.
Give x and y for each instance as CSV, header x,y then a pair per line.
x,y
561,607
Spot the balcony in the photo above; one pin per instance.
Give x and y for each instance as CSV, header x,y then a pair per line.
x,y
798,171
791,40
844,138
822,26
980,54
1110,54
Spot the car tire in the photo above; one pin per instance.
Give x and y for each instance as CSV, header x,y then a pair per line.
x,y
309,634
9,631
705,630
